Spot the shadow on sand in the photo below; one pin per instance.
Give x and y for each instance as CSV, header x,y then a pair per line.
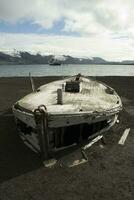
x,y
15,158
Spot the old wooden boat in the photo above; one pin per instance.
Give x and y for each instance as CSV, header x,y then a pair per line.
x,y
66,112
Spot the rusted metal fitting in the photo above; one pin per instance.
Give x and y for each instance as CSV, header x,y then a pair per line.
x,y
38,113
42,108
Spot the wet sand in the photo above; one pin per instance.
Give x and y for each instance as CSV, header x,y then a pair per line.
x,y
108,174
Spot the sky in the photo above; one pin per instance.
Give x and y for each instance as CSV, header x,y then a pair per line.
x,y
81,28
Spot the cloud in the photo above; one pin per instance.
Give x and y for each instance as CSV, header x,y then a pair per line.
x,y
105,27
82,16
110,49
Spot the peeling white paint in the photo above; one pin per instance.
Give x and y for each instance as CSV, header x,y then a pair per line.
x,y
92,97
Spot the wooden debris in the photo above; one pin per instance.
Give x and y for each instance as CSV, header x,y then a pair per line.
x,y
92,142
49,163
32,82
124,136
78,162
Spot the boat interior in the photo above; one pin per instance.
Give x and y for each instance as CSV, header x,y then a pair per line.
x,y
62,137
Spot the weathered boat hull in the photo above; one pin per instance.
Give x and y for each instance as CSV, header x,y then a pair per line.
x,y
47,131
63,130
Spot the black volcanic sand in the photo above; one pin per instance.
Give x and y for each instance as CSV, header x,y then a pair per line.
x,y
109,174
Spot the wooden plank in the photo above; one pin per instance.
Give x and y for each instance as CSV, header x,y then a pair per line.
x,y
78,162
30,142
92,142
74,120
25,117
124,136
50,163
32,82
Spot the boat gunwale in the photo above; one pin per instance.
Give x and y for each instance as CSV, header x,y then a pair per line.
x,y
80,113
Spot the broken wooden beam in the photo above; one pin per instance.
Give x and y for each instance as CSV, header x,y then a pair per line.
x,y
124,136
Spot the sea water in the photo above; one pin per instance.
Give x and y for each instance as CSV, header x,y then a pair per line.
x,y
66,70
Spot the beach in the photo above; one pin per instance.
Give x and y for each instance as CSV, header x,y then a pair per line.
x,y
107,175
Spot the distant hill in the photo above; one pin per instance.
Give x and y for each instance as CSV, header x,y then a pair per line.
x,y
23,58
128,62
28,58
